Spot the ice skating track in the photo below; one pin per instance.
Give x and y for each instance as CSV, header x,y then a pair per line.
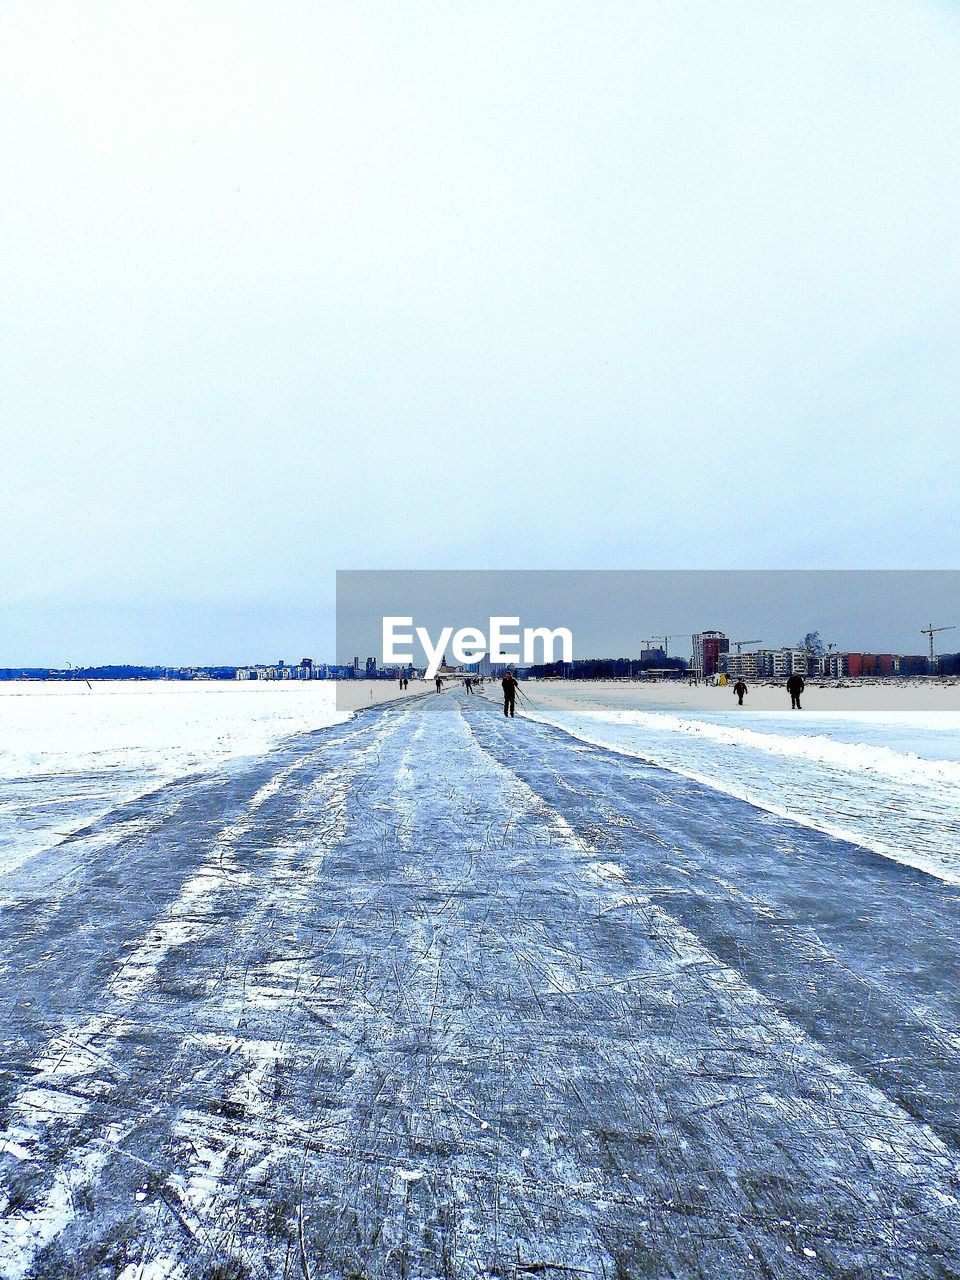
x,y
435,994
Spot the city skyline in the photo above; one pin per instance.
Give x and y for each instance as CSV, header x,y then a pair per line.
x,y
752,658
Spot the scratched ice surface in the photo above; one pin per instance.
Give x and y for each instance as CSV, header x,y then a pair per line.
x,y
888,780
433,994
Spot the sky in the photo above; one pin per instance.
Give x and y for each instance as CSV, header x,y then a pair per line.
x,y
286,289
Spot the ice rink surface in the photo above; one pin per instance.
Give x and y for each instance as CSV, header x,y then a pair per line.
x,y
429,993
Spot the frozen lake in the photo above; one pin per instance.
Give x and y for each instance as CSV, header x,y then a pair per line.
x,y
888,779
69,753
429,993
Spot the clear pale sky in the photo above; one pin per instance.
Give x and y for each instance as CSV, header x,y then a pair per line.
x,y
286,288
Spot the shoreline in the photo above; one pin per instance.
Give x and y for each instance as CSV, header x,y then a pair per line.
x,y
862,697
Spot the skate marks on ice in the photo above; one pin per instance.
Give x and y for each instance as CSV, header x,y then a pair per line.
x,y
819,926
432,995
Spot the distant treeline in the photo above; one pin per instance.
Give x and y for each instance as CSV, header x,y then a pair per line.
x,y
119,672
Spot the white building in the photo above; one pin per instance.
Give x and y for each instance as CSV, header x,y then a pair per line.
x,y
743,665
768,664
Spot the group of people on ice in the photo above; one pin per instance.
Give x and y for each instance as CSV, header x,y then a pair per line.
x,y
795,686
509,684
468,682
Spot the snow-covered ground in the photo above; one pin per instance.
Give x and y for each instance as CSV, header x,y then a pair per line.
x,y
69,752
887,779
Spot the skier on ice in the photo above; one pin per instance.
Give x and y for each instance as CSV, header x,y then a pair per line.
x,y
509,683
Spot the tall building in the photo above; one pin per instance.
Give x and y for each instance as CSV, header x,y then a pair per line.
x,y
787,662
707,648
745,665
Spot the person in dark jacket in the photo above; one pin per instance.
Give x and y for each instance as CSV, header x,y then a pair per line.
x,y
509,683
795,686
740,688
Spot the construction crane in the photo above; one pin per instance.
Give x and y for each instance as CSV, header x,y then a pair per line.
x,y
930,630
666,641
740,643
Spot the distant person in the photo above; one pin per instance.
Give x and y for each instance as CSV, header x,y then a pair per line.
x,y
740,689
468,685
509,683
438,681
795,686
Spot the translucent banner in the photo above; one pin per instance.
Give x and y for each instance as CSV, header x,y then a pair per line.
x,y
870,639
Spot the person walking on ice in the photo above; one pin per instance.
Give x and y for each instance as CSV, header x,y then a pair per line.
x,y
795,686
509,683
438,681
740,688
